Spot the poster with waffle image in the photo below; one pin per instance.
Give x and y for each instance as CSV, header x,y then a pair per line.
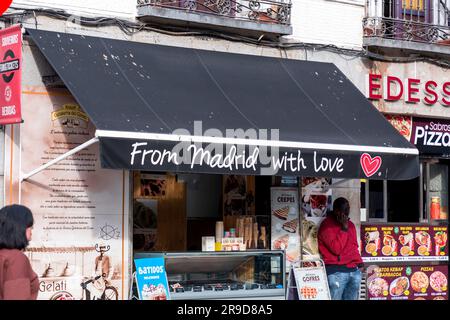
x,y
312,283
285,223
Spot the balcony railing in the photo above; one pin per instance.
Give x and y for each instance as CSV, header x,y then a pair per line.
x,y
265,11
426,21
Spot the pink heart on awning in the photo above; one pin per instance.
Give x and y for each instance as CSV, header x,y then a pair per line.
x,y
370,165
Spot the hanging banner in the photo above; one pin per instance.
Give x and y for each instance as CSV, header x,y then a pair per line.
x,y
11,75
151,279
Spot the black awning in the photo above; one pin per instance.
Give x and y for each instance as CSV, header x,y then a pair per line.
x,y
149,98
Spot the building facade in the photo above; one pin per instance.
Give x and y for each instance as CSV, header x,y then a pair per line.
x,y
395,52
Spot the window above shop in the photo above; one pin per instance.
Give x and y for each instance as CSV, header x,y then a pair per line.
x,y
246,17
410,25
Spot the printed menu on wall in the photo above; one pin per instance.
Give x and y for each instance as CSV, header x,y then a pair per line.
x,y
285,223
404,243
316,202
408,283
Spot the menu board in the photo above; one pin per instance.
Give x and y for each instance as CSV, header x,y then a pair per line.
x,y
387,243
408,283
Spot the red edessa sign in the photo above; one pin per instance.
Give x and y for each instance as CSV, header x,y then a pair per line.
x,y
10,75
410,90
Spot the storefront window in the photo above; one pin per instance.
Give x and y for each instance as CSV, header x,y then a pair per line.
x,y
410,200
438,189
392,201
376,200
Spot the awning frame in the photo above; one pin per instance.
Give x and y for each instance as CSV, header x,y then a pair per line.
x,y
82,146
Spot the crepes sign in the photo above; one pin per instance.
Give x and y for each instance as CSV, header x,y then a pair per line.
x,y
11,77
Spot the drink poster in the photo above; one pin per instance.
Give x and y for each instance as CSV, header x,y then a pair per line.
x,y
408,282
285,223
151,279
404,243
316,202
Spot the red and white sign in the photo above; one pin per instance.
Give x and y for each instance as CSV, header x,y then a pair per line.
x,y
10,75
4,5
410,90
370,165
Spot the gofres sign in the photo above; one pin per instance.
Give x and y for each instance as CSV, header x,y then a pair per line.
x,y
410,90
10,75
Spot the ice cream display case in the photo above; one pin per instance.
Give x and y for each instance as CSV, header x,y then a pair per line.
x,y
224,275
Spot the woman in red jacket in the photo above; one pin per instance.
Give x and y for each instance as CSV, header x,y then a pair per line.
x,y
338,246
18,281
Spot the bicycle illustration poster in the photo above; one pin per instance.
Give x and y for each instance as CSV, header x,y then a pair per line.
x,y
80,212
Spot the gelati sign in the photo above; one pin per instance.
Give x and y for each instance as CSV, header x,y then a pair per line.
x,y
10,75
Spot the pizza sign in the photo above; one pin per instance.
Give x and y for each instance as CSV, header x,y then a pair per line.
x,y
11,77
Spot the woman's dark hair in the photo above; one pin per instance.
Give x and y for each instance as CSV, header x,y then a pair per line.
x,y
341,205
14,221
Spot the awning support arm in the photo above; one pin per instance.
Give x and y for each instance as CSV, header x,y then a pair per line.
x,y
61,157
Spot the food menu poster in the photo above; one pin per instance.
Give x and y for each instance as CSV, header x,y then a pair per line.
x,y
285,223
404,243
408,283
151,279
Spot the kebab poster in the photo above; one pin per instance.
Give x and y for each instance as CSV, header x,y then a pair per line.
x,y
285,222
404,243
408,283
316,203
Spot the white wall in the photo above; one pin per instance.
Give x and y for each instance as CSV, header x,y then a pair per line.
x,y
337,22
110,8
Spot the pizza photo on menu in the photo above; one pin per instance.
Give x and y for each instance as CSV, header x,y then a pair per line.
x,y
403,124
438,281
419,282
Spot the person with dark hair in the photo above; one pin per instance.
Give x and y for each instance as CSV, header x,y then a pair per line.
x,y
338,246
18,281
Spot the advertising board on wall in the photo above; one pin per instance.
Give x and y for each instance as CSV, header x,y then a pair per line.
x,y
395,243
81,224
408,283
285,223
